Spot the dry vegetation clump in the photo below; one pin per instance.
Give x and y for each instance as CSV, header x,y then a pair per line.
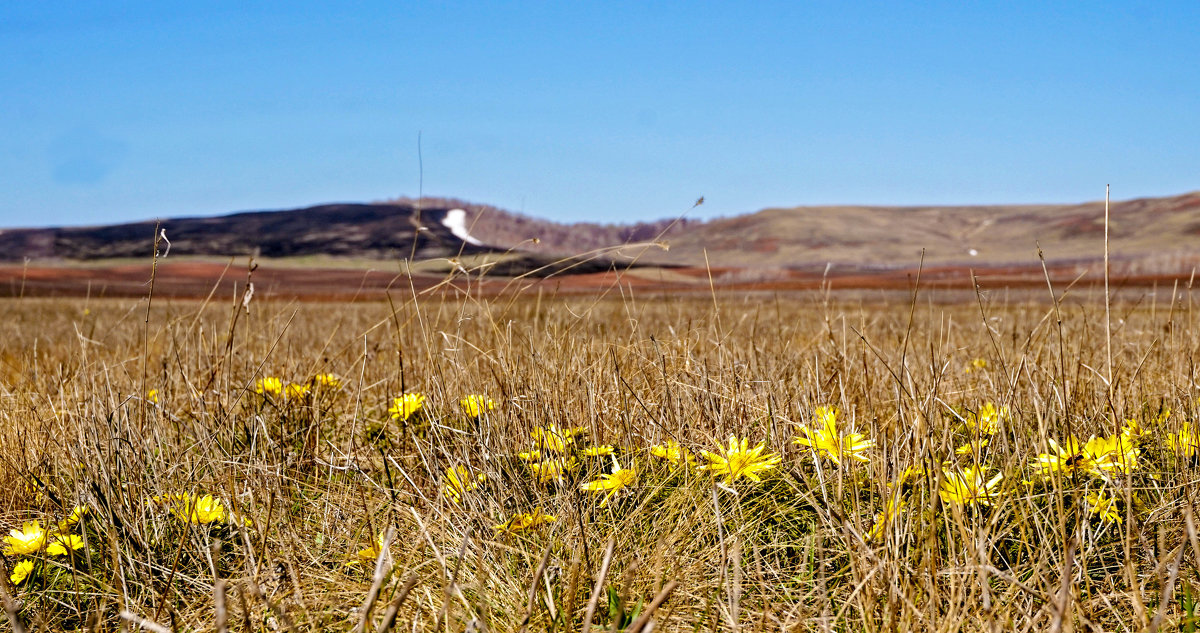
x,y
754,463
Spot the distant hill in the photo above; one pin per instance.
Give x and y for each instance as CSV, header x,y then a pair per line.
x,y
388,231
370,231
1146,235
1149,235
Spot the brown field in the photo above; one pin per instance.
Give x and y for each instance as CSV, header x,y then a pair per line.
x,y
309,477
333,280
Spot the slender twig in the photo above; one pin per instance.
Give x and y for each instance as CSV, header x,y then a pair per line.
x,y
221,623
389,616
381,570
143,623
644,619
599,587
10,607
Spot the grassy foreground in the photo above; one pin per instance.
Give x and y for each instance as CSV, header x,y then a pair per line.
x,y
325,467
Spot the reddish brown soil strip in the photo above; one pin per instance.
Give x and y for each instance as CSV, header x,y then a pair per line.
x,y
199,279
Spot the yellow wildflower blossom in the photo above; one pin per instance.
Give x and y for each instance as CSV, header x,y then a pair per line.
x,y
21,571
671,451
152,396
1133,431
459,482
549,470
972,448
367,555
198,510
975,365
524,521
77,514
1186,442
1114,454
887,518
988,419
64,544
1065,458
739,461
474,405
553,438
296,391
828,443
602,450
406,405
908,475
326,381
968,487
531,456
28,540
612,483
1104,506
268,385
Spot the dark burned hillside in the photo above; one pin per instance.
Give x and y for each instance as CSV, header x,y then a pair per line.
x,y
371,231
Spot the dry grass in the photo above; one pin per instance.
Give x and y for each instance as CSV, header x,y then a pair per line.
x,y
321,477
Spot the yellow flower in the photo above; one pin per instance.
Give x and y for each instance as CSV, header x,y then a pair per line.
x,y
368,554
198,510
1114,454
828,443
671,451
406,405
268,385
603,450
1104,506
909,474
28,540
550,469
152,396
967,487
972,448
64,544
524,521
1186,442
21,571
976,364
297,391
77,514
328,381
1133,430
739,461
887,518
474,405
612,483
1065,458
531,456
459,482
826,415
550,438
988,419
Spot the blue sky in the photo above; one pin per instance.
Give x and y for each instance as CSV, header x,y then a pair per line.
x,y
116,111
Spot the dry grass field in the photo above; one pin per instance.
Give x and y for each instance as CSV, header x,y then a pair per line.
x,y
457,463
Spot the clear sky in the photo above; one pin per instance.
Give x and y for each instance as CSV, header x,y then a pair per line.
x,y
117,110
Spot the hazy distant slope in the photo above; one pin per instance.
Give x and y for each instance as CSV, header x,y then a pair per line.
x,y
1148,235
1146,229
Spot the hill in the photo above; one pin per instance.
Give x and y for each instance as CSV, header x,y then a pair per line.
x,y
371,231
1147,235
361,250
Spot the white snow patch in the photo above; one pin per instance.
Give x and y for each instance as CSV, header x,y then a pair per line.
x,y
456,221
973,252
